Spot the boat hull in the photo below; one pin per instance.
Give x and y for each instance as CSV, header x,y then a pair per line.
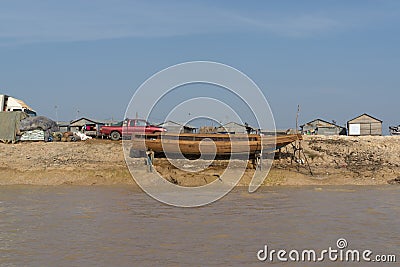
x,y
210,144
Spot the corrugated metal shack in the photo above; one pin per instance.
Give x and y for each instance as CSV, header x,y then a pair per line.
x,y
364,125
176,127
322,127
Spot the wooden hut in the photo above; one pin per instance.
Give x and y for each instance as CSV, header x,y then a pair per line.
x,y
364,125
322,127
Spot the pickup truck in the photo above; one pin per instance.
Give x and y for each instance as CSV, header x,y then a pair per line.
x,y
129,127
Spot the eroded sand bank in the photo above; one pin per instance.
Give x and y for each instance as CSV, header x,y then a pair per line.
x,y
333,160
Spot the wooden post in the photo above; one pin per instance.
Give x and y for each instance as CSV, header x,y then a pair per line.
x,y
150,160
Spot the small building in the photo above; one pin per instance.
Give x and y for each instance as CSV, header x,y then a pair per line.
x,y
64,126
90,127
364,125
87,126
236,128
176,127
322,127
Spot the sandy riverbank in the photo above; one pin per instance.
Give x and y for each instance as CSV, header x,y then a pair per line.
x,y
334,161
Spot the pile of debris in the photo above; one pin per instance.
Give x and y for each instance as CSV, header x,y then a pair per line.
x,y
44,129
18,126
394,181
70,137
37,129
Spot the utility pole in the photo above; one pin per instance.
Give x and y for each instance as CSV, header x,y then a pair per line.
x,y
56,107
297,119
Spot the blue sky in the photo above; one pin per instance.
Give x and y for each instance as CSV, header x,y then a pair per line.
x,y
337,59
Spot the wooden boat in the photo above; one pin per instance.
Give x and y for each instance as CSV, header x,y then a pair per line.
x,y
212,144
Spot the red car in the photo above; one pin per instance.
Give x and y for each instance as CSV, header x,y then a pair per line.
x,y
130,127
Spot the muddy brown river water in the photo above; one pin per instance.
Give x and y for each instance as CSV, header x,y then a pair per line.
x,y
122,226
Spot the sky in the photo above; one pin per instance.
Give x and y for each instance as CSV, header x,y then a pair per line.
x,y
336,59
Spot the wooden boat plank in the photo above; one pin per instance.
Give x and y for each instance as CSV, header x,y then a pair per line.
x,y
174,144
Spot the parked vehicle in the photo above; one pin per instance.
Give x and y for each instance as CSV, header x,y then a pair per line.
x,y
394,130
128,127
8,103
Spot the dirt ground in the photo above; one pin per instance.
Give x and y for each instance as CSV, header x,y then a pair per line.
x,y
333,161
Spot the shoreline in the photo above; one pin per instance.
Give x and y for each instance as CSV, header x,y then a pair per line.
x,y
337,160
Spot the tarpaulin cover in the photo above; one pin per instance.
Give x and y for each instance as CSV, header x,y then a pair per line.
x,y
9,125
40,122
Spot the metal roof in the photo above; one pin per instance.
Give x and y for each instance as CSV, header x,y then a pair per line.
x,y
82,122
331,123
365,114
